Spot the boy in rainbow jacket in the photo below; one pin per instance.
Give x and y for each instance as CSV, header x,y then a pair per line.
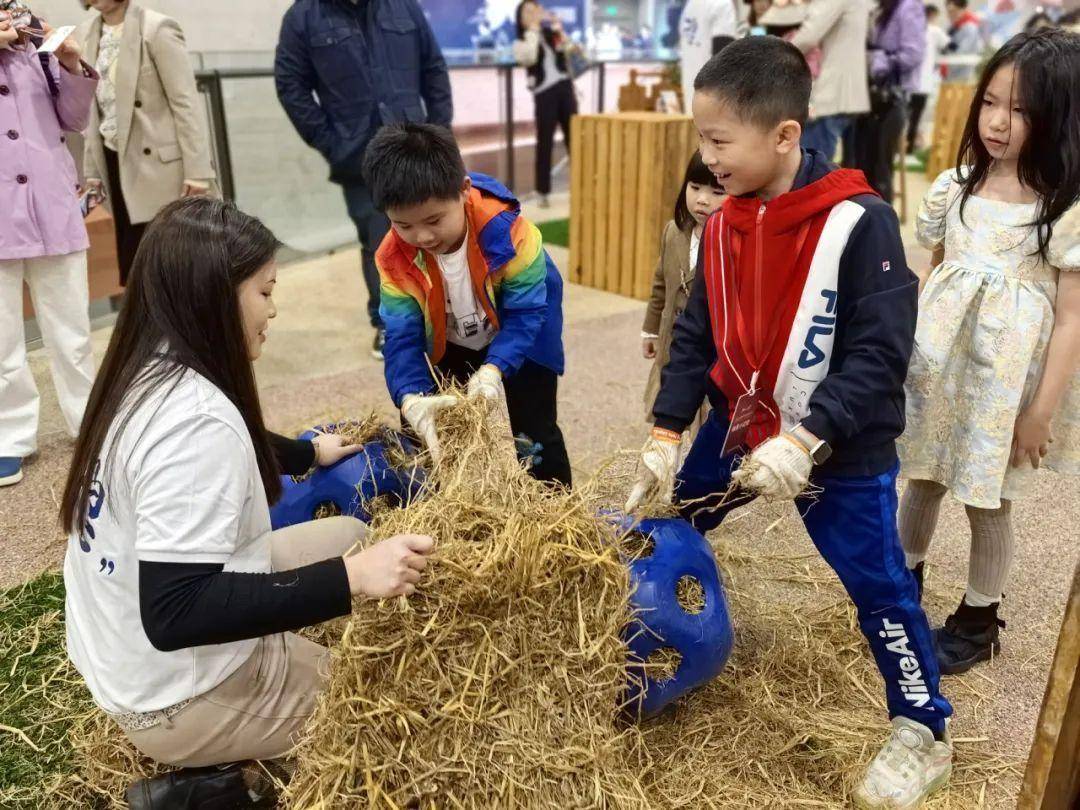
x,y
467,289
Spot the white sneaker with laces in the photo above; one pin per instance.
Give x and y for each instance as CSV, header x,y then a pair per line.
x,y
910,767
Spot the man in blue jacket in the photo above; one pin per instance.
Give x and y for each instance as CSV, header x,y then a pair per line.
x,y
343,68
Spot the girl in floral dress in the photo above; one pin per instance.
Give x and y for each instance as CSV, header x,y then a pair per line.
x,y
993,391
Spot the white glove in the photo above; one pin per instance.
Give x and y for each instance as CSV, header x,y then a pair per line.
x,y
486,383
659,462
419,411
779,469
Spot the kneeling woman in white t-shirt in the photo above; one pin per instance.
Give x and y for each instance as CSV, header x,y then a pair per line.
x,y
180,598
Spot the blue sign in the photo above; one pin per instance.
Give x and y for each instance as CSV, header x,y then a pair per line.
x,y
469,25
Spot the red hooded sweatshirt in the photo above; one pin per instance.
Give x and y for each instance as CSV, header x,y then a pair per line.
x,y
757,258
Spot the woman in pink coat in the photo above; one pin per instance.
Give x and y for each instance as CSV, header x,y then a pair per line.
x,y
43,237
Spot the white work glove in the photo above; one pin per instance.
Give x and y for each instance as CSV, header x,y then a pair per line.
x,y
779,469
486,382
419,411
659,463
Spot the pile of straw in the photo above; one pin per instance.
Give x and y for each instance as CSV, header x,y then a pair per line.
x,y
497,684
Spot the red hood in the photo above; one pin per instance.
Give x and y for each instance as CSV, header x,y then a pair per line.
x,y
770,246
788,211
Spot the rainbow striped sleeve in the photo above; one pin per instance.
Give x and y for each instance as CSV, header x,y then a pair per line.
x,y
522,299
528,269
408,338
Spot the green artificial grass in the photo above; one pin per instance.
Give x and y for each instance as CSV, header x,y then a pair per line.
x,y
556,232
37,698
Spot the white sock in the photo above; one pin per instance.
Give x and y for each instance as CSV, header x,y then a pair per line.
x,y
976,599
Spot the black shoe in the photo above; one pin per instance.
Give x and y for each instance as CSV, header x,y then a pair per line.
x,y
195,789
919,573
380,341
969,636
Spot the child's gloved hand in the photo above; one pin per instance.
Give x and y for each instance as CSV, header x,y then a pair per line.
x,y
419,411
659,462
486,383
779,469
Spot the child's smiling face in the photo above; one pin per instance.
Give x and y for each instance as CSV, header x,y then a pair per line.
x,y
1003,124
744,157
435,225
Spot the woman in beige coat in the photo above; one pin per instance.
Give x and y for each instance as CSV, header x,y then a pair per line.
x,y
147,143
699,197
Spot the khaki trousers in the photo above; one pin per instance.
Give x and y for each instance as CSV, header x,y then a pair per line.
x,y
257,712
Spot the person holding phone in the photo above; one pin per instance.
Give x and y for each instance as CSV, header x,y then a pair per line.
x,y
43,239
543,48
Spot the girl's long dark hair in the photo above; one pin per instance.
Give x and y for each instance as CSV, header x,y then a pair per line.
x,y
1046,65
696,172
181,312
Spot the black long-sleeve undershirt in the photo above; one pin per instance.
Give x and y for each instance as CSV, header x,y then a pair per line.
x,y
191,604
294,456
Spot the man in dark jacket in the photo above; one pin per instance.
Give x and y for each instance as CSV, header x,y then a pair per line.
x,y
344,68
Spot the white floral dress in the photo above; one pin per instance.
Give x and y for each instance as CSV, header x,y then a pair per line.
x,y
985,319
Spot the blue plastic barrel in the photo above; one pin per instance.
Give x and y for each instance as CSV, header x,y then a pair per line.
x,y
704,640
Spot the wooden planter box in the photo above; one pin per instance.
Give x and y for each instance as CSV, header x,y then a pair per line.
x,y
103,273
950,117
626,170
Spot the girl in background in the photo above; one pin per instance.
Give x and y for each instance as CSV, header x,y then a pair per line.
x,y
699,197
43,239
993,391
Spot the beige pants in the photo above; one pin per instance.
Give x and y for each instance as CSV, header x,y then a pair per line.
x,y
257,711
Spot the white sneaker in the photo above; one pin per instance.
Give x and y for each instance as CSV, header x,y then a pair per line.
x,y
910,767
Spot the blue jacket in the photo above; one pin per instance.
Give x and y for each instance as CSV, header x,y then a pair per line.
x,y
513,278
343,70
859,407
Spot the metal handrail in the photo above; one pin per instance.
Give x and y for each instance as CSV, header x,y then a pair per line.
x,y
209,81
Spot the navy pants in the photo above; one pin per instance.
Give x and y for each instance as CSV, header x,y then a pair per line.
x,y
853,525
371,226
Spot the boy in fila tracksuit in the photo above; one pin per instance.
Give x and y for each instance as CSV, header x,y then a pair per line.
x,y
799,329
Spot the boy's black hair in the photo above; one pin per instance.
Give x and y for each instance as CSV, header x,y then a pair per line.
x,y
1046,75
957,3
765,80
696,172
408,164
931,10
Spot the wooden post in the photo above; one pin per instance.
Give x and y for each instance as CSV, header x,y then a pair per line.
x,y
626,171
953,104
1052,780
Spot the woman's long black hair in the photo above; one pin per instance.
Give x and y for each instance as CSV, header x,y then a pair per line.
x,y
181,312
696,172
1046,67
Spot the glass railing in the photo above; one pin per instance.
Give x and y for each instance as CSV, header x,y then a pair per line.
x,y
270,172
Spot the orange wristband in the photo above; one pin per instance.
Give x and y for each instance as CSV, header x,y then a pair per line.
x,y
796,442
665,435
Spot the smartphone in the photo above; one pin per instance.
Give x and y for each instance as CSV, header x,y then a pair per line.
x,y
89,200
